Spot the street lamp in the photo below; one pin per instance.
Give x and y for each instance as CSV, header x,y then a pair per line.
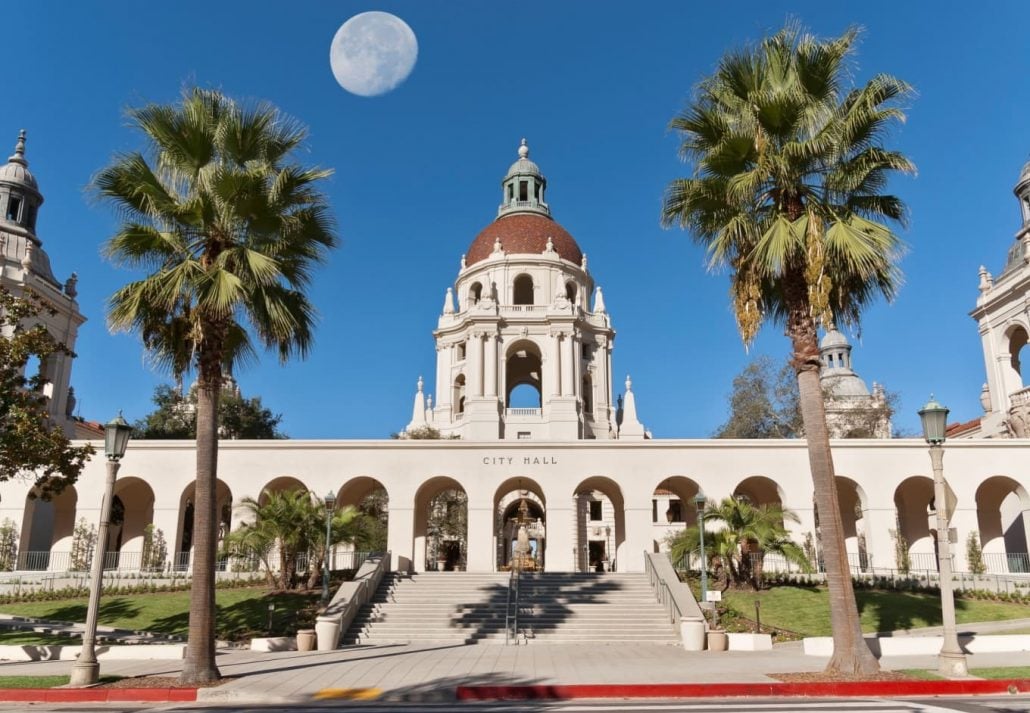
x,y
699,504
330,506
86,670
951,661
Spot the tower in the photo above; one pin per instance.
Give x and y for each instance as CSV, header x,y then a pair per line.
x,y
851,411
24,265
1002,314
523,326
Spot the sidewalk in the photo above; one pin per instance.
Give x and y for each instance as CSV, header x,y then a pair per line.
x,y
433,673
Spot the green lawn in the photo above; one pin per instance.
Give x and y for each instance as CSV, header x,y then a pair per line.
x,y
14,637
806,609
1002,672
43,681
242,613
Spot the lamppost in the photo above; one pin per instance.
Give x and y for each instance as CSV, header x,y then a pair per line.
x,y
330,507
699,504
611,555
951,661
86,670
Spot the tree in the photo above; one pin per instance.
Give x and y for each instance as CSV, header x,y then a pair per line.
x,y
424,433
748,532
175,416
31,446
788,193
763,404
288,524
228,228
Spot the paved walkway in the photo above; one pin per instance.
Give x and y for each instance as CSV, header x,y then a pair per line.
x,y
428,672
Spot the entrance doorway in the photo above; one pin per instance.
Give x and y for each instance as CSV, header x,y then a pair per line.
x,y
596,555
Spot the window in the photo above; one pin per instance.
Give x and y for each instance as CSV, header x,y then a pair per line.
x,y
523,190
13,208
654,510
675,511
536,190
524,435
595,510
522,290
475,293
460,351
511,192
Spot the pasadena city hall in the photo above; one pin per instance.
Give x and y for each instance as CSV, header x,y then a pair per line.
x,y
524,315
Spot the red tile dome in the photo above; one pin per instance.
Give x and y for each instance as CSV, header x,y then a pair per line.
x,y
523,234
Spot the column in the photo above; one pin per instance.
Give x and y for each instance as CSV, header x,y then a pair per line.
x,y
475,357
554,363
638,536
567,388
443,375
480,546
491,365
400,540
560,547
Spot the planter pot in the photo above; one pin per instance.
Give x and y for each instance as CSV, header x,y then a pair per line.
x,y
306,640
718,641
328,634
692,634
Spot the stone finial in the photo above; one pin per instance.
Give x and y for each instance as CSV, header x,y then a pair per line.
x,y
629,384
986,281
71,285
498,249
523,149
420,383
418,410
464,263
599,307
630,426
26,260
448,302
69,406
19,150
549,248
429,402
985,398
584,263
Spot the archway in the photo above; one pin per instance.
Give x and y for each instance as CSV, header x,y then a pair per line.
x,y
759,490
600,524
518,503
1016,340
672,509
47,531
132,509
913,536
1003,509
441,526
279,485
184,537
372,500
522,290
853,505
523,368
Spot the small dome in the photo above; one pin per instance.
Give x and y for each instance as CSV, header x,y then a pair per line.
x,y
523,166
833,338
524,234
1024,175
845,385
16,170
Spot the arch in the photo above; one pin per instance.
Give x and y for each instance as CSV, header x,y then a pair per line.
x,y
127,528
47,529
1003,512
672,502
853,504
571,291
184,535
1017,339
441,525
588,394
522,289
912,500
279,485
458,395
523,365
600,524
475,294
507,501
759,490
372,500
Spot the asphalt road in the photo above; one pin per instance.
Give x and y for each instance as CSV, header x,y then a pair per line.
x,y
983,704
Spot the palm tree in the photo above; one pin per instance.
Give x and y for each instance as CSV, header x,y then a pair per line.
x,y
748,532
229,228
788,192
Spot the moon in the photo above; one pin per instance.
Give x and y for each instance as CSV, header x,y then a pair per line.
x,y
372,53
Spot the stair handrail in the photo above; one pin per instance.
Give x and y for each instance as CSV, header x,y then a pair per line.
x,y
677,599
511,612
352,595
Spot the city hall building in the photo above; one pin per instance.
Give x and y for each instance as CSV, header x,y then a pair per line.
x,y
524,316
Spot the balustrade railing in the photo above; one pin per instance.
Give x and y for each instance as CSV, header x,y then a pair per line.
x,y
531,412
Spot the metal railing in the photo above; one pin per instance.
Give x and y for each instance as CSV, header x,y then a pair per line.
x,y
511,612
1007,562
662,591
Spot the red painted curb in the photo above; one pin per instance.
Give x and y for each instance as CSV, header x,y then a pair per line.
x,y
730,690
98,695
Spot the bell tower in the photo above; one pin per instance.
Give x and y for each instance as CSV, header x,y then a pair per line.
x,y
24,265
524,341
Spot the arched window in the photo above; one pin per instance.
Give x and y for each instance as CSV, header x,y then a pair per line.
x,y
571,291
588,394
475,293
522,290
459,394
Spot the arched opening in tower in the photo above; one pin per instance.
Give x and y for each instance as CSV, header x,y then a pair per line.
x,y
522,377
522,290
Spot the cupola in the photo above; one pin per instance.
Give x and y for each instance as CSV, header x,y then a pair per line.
x,y
19,193
523,187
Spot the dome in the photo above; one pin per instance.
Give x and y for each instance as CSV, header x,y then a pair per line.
x,y
524,234
1024,175
833,338
16,170
523,166
845,385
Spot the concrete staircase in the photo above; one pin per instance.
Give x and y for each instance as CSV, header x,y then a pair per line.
x,y
467,608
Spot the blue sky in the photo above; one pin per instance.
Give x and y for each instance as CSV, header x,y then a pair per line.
x,y
592,86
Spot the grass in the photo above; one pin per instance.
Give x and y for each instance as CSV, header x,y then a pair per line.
x,y
805,609
15,637
1002,672
242,612
922,674
44,681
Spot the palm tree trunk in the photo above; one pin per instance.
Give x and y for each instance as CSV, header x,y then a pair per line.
x,y
851,655
199,666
